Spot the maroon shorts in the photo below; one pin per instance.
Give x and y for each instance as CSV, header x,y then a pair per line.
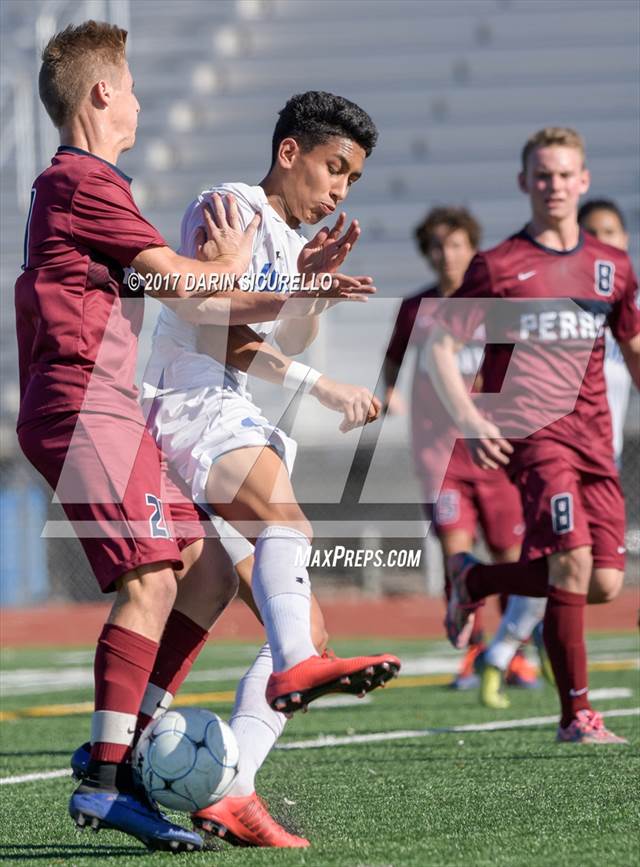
x,y
565,508
112,482
493,503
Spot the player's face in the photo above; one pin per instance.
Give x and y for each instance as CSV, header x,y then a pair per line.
x,y
125,108
606,226
317,181
450,253
554,179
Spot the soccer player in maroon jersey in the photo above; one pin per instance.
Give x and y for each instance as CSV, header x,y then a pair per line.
x,y
80,423
566,284
468,496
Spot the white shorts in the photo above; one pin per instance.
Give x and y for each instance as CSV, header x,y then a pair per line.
x,y
195,428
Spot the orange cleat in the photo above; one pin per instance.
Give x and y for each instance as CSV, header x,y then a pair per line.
x,y
293,689
245,821
522,673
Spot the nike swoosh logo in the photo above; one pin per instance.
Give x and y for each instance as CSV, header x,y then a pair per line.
x,y
524,275
574,693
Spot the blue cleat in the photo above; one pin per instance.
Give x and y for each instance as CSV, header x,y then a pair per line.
x,y
80,761
467,677
133,815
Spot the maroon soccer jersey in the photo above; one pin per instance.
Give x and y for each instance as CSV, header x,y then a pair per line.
x,y
545,353
77,322
431,426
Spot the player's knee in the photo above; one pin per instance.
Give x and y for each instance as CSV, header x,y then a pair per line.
x,y
229,588
571,570
151,588
287,515
605,586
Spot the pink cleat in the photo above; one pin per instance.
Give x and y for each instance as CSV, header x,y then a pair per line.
x,y
588,728
460,609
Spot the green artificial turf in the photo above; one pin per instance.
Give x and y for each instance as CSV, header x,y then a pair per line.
x,y
512,797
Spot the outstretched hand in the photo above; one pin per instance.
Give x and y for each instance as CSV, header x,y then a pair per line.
x,y
328,248
222,237
356,403
488,447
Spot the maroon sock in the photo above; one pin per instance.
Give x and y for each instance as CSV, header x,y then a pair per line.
x,y
564,639
523,579
181,642
123,663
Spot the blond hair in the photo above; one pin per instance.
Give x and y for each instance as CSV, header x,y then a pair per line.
x,y
73,61
561,136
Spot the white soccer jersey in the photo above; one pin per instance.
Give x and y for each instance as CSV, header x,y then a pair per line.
x,y
618,381
276,248
199,409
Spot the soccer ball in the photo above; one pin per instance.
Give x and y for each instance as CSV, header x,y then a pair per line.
x,y
187,759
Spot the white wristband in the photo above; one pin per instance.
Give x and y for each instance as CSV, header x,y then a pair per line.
x,y
300,376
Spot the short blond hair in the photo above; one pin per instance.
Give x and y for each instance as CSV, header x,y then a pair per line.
x,y
562,136
73,61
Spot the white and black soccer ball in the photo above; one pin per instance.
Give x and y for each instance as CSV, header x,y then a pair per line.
x,y
187,759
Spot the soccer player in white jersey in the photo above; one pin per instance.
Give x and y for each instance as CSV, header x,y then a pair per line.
x,y
236,463
523,616
604,219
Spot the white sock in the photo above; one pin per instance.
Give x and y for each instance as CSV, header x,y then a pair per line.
x,y
282,592
254,724
522,615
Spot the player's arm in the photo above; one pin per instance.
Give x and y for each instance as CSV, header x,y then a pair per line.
x,y
455,323
211,233
293,335
323,254
624,322
394,356
631,353
245,350
188,278
490,449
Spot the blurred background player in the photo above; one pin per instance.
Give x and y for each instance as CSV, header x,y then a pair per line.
x,y
523,616
236,463
469,497
573,550
604,220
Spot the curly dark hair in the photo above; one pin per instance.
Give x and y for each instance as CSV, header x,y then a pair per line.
x,y
311,118
454,218
592,205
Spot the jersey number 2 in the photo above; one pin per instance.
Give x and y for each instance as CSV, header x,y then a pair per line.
x,y
157,523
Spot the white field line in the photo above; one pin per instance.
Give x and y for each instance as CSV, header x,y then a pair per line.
x,y
333,741
610,693
25,681
30,778
374,737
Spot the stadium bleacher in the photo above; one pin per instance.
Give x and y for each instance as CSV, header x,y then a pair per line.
x,y
455,88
